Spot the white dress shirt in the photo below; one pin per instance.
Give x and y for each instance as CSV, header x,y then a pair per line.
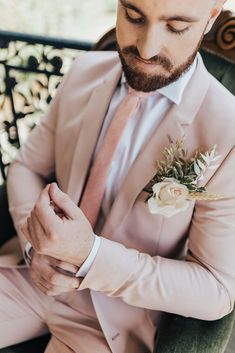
x,y
139,129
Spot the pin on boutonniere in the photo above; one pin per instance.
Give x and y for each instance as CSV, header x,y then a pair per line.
x,y
176,182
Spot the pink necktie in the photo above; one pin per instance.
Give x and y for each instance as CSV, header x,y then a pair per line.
x,y
95,187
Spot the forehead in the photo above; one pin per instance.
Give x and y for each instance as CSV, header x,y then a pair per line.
x,y
158,8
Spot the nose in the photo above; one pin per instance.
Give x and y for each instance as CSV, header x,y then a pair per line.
x,y
149,43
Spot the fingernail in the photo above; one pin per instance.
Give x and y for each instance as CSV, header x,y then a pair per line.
x,y
55,187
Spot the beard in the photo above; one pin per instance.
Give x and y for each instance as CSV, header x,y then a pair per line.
x,y
141,81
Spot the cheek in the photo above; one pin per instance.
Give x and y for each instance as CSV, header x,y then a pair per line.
x,y
180,48
126,35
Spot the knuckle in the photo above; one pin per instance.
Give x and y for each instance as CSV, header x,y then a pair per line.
x,y
23,227
70,284
75,285
38,247
34,263
41,246
56,262
64,198
68,267
37,209
55,279
50,293
52,235
31,214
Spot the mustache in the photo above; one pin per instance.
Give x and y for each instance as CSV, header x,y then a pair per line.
x,y
157,59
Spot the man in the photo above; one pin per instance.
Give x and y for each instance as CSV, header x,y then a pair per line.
x,y
103,267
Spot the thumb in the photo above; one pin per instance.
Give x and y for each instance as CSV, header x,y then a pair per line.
x,y
63,201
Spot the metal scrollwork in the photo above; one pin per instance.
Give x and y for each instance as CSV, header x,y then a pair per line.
x,y
226,35
31,69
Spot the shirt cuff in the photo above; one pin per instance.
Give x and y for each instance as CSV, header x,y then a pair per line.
x,y
27,256
83,270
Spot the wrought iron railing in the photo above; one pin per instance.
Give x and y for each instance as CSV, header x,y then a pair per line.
x,y
31,68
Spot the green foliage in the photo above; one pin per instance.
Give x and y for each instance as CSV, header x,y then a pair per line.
x,y
186,170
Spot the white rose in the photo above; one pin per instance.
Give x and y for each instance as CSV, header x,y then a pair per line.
x,y
169,197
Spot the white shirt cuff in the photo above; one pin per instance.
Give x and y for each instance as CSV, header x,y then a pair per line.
x,y
27,256
83,270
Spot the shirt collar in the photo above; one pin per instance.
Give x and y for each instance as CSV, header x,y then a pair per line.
x,y
175,90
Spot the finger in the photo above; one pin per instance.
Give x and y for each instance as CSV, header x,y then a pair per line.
x,y
42,241
63,201
34,241
37,232
24,229
48,290
51,277
57,210
57,279
50,286
45,213
39,283
62,266
33,235
38,228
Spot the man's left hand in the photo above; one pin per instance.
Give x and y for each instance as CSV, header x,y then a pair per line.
x,y
65,234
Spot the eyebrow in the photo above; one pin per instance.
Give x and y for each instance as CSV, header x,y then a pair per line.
x,y
178,18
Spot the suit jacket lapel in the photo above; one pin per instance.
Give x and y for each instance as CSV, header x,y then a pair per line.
x,y
144,168
141,172
92,120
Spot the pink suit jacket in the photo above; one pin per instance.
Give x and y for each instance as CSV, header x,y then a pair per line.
x,y
137,272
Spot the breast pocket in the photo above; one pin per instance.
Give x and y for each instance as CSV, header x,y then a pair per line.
x,y
153,233
141,230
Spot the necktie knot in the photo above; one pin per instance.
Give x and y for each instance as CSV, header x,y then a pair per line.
x,y
140,94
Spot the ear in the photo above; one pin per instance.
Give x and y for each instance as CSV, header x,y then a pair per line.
x,y
215,11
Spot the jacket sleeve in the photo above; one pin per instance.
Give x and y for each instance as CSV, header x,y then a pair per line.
x,y
202,286
34,165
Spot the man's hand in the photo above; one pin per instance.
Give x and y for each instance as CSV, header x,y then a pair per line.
x,y
47,275
58,228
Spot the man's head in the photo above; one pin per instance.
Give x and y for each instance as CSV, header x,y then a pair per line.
x,y
159,39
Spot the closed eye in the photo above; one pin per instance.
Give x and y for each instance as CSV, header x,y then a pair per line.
x,y
133,16
177,31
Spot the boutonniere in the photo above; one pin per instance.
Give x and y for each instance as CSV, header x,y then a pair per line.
x,y
176,182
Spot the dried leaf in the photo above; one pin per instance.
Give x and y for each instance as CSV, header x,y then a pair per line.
x,y
207,160
197,169
204,196
216,158
201,165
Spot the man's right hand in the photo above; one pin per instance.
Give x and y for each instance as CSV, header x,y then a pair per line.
x,y
51,276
